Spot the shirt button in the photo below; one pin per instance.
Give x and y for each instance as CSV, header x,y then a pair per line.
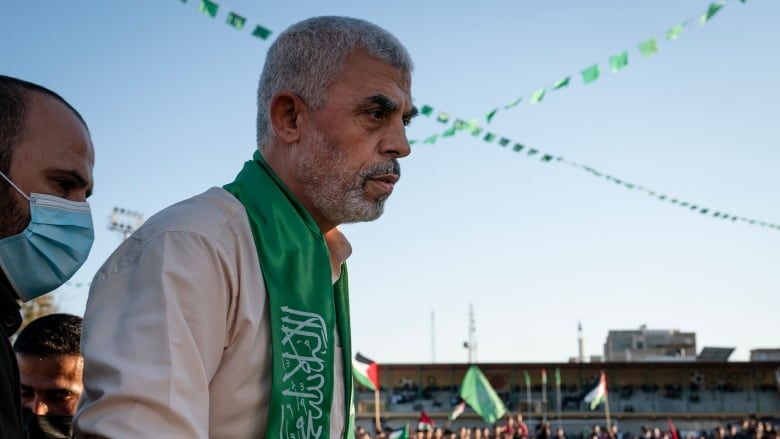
x,y
10,321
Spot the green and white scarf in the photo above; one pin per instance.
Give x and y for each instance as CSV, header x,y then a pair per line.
x,y
305,306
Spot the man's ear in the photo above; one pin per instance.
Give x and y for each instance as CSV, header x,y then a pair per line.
x,y
286,108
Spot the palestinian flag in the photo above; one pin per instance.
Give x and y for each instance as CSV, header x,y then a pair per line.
x,y
366,372
425,423
399,433
459,408
598,393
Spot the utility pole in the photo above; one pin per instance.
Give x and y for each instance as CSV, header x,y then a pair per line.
x,y
471,344
125,221
581,357
433,337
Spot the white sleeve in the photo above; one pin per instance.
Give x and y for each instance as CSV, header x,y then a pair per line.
x,y
154,332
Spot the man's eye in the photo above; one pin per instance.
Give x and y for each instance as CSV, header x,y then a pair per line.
x,y
378,114
65,184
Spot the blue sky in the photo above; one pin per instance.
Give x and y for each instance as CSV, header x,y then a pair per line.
x,y
169,95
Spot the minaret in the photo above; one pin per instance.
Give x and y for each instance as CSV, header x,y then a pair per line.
x,y
581,357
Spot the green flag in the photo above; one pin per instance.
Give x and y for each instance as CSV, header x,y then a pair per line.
x,y
619,61
674,33
449,132
431,140
236,20
481,397
261,32
590,74
525,372
489,137
443,117
561,83
208,7
513,103
538,96
490,115
711,11
557,377
426,110
648,47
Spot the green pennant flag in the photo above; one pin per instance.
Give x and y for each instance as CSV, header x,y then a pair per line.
x,y
561,83
547,158
590,74
513,103
648,47
443,117
674,33
489,137
426,110
208,7
431,140
481,397
449,132
236,21
538,96
557,377
460,124
504,141
517,148
711,11
490,115
533,151
261,32
619,61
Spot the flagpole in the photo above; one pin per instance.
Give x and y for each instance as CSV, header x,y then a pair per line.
x,y
544,395
558,397
528,393
376,410
606,405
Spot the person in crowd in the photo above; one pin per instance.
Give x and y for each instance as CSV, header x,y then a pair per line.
x,y
227,315
46,162
50,368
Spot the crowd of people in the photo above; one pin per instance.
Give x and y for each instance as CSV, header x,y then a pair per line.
x,y
514,427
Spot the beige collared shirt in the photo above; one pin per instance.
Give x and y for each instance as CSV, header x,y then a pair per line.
x,y
176,337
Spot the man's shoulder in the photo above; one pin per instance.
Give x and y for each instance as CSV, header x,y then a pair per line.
x,y
207,214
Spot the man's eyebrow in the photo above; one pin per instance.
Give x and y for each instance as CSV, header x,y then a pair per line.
x,y
383,101
412,113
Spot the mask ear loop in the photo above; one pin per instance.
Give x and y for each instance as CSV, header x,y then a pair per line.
x,y
14,186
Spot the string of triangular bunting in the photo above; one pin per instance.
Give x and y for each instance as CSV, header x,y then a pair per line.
x,y
616,63
477,131
233,19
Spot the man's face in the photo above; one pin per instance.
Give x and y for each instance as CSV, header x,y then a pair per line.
x,y
347,155
51,385
54,156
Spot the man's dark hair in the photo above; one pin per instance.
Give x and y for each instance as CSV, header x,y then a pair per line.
x,y
14,98
52,334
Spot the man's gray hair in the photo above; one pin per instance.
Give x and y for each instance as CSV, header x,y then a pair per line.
x,y
307,57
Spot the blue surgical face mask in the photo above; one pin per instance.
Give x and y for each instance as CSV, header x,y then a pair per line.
x,y
51,249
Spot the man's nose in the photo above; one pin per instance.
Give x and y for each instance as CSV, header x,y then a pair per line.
x,y
396,144
39,406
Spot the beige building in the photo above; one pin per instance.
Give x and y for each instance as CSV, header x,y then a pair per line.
x,y
650,345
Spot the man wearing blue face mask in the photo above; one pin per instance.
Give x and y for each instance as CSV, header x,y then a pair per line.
x,y
46,161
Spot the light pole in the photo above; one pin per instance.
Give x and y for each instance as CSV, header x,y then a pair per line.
x,y
125,221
